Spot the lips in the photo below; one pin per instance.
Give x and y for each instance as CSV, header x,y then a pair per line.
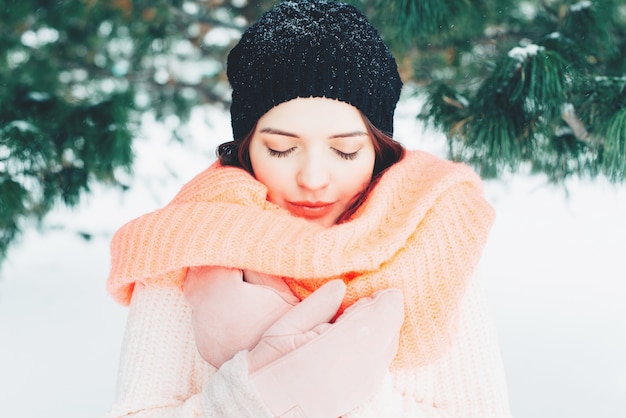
x,y
310,210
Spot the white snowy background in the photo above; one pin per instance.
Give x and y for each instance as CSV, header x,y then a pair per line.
x,y
554,270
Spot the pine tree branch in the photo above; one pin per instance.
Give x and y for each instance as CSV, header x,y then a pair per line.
x,y
208,95
186,19
568,114
485,39
552,12
145,76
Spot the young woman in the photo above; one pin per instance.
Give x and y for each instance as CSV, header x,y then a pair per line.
x,y
317,269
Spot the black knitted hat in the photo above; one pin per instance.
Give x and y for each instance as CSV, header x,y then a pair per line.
x,y
312,48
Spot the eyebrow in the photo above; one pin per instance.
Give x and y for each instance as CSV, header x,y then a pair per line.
x,y
350,134
292,135
277,132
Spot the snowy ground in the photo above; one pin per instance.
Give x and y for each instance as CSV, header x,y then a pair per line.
x,y
553,268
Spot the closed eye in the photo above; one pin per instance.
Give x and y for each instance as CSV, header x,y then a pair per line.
x,y
280,154
346,155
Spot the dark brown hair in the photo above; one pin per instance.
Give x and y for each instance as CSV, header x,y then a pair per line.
x,y
388,152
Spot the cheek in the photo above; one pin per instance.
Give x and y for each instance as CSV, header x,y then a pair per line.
x,y
270,174
361,182
261,167
360,177
353,183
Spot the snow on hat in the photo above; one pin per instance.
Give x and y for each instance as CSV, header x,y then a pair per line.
x,y
312,48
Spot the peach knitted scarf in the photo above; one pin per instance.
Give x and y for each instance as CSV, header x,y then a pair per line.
x,y
421,229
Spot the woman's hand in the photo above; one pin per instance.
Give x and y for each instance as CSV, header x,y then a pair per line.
x,y
307,367
298,360
230,314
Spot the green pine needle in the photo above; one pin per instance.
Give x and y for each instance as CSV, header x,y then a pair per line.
x,y
613,162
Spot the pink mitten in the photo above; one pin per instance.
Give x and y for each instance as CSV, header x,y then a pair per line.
x,y
306,367
230,314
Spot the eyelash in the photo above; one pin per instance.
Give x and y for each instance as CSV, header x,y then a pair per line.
x,y
346,155
281,154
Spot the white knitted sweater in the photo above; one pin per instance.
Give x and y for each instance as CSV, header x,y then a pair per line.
x,y
162,375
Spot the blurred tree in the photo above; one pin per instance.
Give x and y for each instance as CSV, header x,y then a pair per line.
x,y
75,76
538,85
532,85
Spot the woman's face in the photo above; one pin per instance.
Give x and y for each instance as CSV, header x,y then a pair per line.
x,y
314,155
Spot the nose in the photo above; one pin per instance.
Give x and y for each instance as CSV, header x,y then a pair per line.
x,y
313,174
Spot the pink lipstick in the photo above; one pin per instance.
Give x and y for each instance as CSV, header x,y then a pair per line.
x,y
310,210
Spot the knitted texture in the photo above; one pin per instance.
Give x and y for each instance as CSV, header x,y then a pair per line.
x,y
163,376
312,48
160,367
421,229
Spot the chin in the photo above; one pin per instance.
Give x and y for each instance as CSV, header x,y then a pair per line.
x,y
325,222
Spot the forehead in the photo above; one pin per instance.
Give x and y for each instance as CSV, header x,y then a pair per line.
x,y
313,113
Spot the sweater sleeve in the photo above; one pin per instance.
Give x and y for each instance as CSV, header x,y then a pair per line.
x,y
467,382
162,375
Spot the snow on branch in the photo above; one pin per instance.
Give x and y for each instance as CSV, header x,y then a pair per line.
x,y
581,5
568,113
521,54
